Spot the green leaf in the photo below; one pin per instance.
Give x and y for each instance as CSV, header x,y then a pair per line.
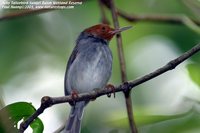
x,y
13,113
194,72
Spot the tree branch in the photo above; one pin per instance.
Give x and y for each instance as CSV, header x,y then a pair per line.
x,y
119,43
29,12
168,19
50,101
127,93
178,19
22,14
104,19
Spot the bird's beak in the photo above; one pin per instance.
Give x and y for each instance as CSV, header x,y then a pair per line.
x,y
116,31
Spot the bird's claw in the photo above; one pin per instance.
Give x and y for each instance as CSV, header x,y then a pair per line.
x,y
112,87
74,95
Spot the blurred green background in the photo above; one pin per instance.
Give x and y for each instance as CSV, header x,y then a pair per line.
x,y
34,51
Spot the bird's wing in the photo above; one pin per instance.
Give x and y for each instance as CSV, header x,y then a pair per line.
x,y
69,63
72,57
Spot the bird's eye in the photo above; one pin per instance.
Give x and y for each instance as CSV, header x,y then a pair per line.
x,y
103,28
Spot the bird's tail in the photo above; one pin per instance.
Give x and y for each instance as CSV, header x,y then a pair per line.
x,y
74,121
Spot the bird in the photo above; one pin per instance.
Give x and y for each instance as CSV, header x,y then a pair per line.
x,y
89,67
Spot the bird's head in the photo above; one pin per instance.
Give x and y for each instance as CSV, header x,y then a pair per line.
x,y
104,31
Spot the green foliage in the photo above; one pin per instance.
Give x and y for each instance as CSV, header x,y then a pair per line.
x,y
180,123
13,113
46,40
194,72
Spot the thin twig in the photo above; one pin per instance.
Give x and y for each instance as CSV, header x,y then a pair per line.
x,y
119,43
127,94
49,101
22,14
30,12
178,19
104,19
168,19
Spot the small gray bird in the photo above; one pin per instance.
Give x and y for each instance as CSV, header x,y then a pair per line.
x,y
89,67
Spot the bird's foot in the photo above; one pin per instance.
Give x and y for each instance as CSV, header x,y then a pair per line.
x,y
74,95
110,87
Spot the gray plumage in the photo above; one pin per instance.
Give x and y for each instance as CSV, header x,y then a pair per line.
x,y
89,67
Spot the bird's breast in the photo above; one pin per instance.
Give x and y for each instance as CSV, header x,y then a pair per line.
x,y
92,69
